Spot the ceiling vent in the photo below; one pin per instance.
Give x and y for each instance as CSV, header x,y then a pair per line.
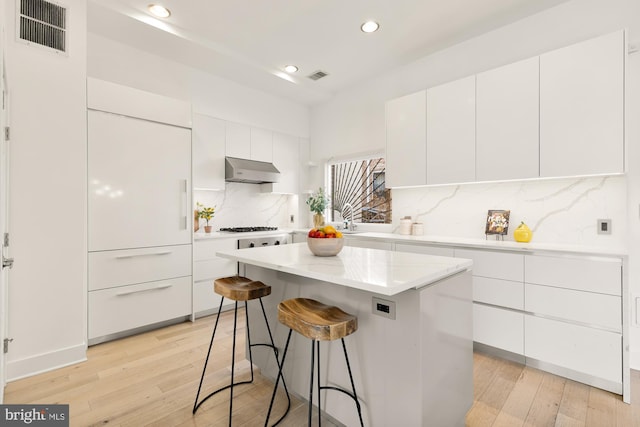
x,y
318,75
43,23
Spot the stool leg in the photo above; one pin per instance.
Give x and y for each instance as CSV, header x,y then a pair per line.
x,y
313,350
275,387
275,352
233,360
318,364
196,405
353,386
246,317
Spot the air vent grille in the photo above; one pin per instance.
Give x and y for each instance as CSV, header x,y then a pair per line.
x,y
318,75
43,23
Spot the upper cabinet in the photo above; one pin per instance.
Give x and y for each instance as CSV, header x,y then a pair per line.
x,y
208,142
451,139
554,115
406,161
246,142
582,108
262,145
286,159
507,122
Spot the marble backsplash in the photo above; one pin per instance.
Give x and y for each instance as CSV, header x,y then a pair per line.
x,y
563,211
242,205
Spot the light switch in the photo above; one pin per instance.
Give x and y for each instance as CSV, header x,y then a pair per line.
x,y
604,226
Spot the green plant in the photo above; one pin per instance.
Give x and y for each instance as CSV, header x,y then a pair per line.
x,y
205,213
318,201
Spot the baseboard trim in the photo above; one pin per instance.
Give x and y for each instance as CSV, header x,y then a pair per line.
x,y
27,367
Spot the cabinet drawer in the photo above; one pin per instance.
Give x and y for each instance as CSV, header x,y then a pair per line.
x,y
370,244
591,351
124,267
204,298
585,307
211,269
504,293
429,250
585,274
206,249
127,307
497,265
498,328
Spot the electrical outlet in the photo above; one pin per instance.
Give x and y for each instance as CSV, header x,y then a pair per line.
x,y
604,226
383,308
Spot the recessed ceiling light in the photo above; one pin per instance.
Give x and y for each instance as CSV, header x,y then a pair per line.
x,y
290,68
159,11
370,26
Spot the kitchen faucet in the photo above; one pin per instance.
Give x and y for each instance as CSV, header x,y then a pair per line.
x,y
349,225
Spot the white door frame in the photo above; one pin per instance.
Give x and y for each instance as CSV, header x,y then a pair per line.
x,y
4,198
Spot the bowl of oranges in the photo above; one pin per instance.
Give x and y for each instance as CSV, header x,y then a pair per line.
x,y
325,241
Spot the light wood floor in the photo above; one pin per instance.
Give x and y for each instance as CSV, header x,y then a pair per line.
x,y
152,378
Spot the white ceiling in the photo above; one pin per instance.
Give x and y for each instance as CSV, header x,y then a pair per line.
x,y
250,41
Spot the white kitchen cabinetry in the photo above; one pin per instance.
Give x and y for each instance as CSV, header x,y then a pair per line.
x,y
366,243
406,127
206,268
423,249
498,297
507,122
246,142
208,137
262,145
582,108
139,204
451,132
286,160
573,324
238,140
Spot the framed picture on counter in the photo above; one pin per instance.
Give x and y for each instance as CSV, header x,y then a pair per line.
x,y
497,222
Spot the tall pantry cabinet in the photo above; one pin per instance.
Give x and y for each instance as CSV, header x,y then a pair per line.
x,y
139,226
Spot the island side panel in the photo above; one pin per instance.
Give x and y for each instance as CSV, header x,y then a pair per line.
x,y
387,356
447,350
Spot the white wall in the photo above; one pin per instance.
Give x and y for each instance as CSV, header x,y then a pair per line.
x,y
47,285
354,122
209,94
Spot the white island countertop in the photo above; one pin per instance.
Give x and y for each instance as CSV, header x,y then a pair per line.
x,y
372,270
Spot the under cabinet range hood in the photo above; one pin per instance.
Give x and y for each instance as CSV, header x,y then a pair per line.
x,y
250,171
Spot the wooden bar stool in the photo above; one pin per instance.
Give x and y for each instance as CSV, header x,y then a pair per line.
x,y
318,322
239,288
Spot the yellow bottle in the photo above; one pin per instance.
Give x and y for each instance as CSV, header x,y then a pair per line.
x,y
522,233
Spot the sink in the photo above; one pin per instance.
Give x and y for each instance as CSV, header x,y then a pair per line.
x,y
350,231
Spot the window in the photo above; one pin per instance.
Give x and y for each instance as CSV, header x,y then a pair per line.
x,y
360,184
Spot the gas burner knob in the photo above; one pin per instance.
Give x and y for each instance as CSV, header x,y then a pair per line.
x,y
277,242
265,243
252,245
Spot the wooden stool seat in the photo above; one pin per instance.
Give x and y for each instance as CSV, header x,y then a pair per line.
x,y
240,288
315,320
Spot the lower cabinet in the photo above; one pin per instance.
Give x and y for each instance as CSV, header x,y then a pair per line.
x,y
206,268
124,308
366,243
421,249
134,288
498,327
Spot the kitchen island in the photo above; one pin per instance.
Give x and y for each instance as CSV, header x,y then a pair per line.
x,y
412,355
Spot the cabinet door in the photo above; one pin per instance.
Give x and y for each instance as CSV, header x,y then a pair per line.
x,y
262,145
496,265
208,135
507,122
451,132
285,159
406,140
421,249
498,328
578,348
139,173
303,167
582,108
238,140
370,244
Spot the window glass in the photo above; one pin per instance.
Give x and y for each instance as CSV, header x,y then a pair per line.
x,y
360,184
